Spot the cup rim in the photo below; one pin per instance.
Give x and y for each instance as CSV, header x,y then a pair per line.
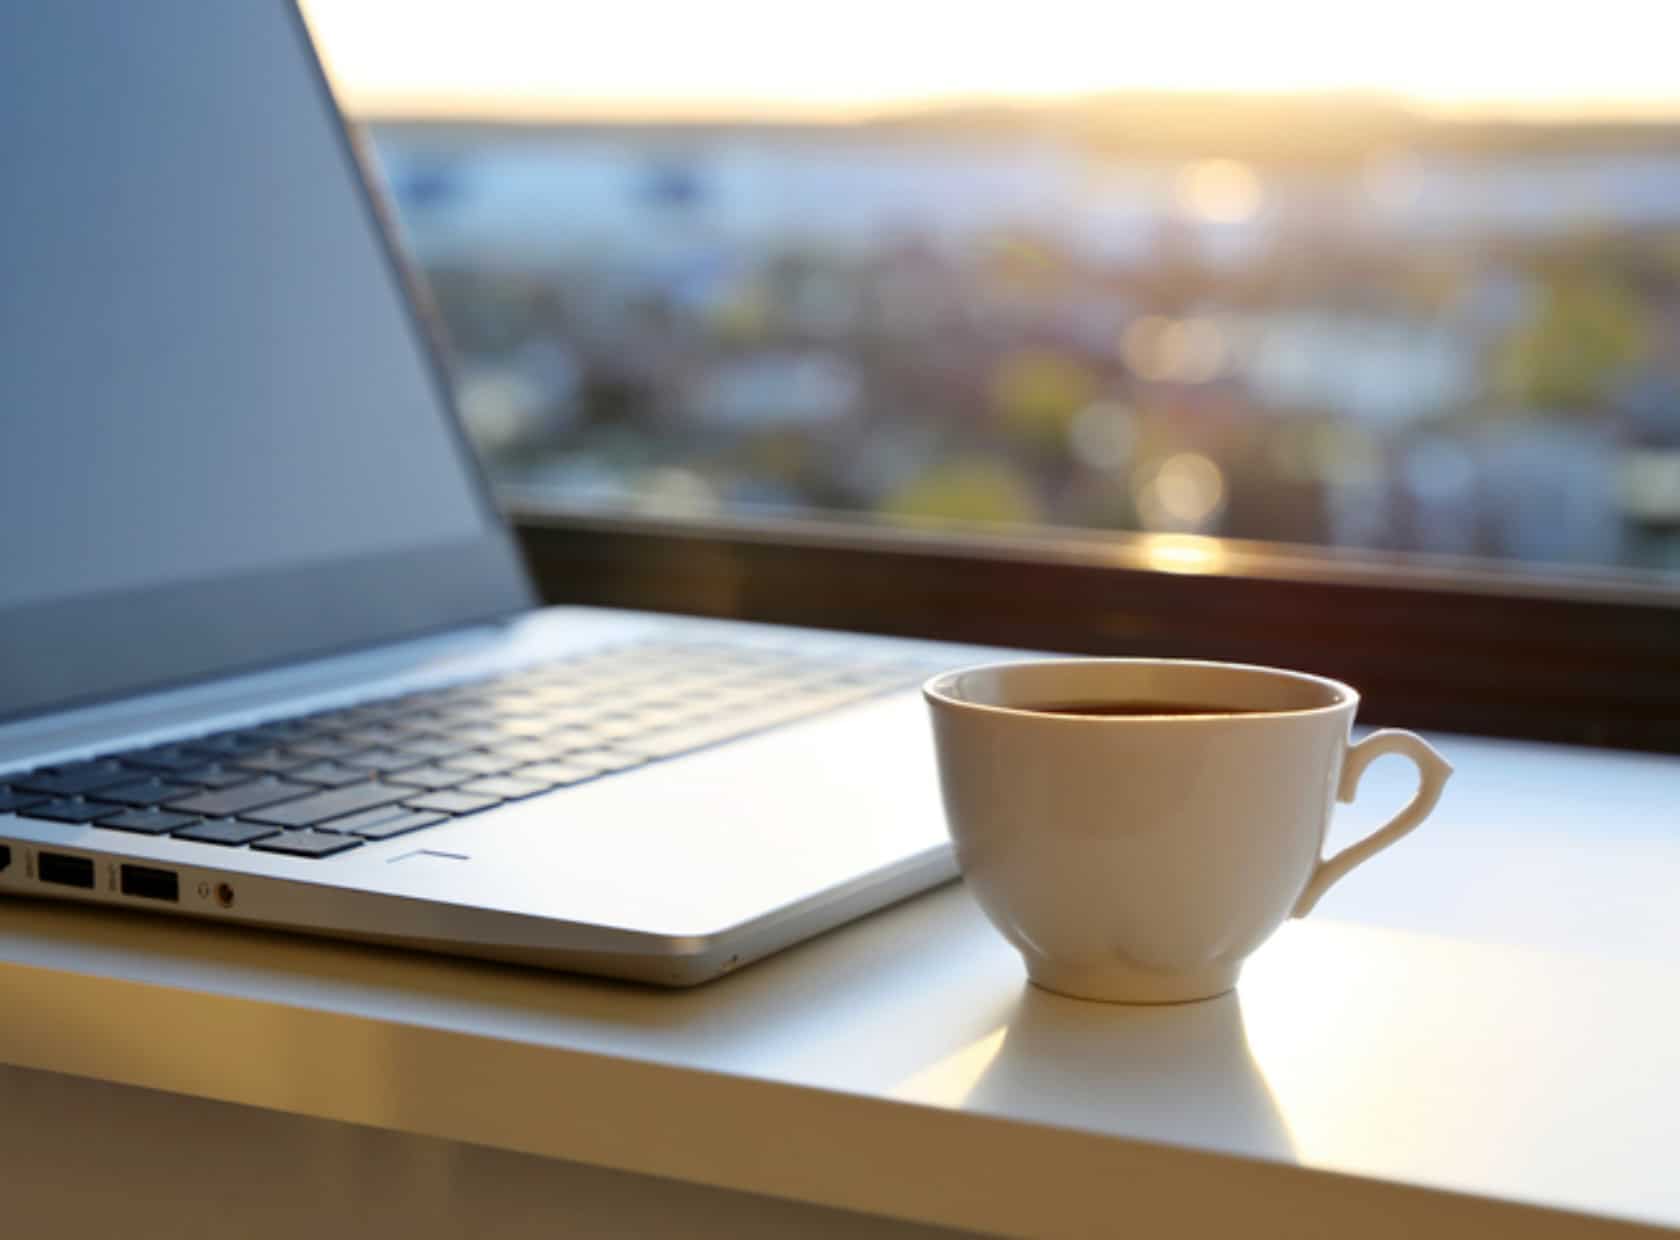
x,y
1345,696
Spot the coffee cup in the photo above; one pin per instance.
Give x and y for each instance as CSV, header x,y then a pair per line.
x,y
1137,827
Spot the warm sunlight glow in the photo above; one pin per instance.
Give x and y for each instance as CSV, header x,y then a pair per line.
x,y
952,1079
1183,553
1223,191
741,56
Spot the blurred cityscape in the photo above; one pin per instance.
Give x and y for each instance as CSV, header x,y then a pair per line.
x,y
1323,322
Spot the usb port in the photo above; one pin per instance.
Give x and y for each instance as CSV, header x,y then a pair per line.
x,y
150,884
5,857
64,870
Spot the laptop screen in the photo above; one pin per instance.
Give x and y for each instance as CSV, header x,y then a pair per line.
x,y
222,440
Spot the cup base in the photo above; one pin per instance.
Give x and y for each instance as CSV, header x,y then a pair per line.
x,y
1118,983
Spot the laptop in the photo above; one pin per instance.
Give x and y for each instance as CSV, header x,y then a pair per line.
x,y
268,655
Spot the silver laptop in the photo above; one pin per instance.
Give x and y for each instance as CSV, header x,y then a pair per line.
x,y
268,654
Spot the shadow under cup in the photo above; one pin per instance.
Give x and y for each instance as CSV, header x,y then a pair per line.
x,y
1136,827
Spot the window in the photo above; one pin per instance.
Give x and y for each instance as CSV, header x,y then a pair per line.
x,y
1331,350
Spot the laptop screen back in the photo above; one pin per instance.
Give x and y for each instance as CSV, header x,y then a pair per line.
x,y
222,440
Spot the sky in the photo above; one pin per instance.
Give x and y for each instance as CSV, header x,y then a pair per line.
x,y
794,58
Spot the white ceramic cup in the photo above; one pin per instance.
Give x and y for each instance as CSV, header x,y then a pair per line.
x,y
1140,859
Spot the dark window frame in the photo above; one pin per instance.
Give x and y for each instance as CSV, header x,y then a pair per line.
x,y
1573,656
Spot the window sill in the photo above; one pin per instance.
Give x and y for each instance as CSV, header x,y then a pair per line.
x,y
1582,657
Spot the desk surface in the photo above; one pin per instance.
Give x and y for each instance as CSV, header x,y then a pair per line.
x,y
1479,1030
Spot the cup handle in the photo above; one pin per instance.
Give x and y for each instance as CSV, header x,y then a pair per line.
x,y
1433,771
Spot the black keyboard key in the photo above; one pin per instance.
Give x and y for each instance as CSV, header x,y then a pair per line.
x,y
524,725
66,811
557,774
72,780
605,760
282,732
329,774
421,701
617,727
452,802
231,744
329,720
557,697
568,716
506,787
471,735
226,802
523,753
272,761
405,711
334,803
211,776
431,778
455,721
352,824
307,844
478,763
400,825
428,746
232,834
147,821
146,792
408,728
384,760
12,800
514,704
168,758
377,736
328,747
370,714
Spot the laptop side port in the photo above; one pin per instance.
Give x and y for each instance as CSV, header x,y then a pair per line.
x,y
64,870
5,857
146,883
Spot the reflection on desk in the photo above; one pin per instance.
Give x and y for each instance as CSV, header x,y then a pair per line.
x,y
1171,1073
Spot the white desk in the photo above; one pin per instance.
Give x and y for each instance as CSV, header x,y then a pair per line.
x,y
1478,1034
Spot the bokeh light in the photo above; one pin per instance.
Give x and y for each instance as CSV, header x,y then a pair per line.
x,y
1650,485
1040,391
978,489
670,491
1221,191
1184,492
1102,436
1164,350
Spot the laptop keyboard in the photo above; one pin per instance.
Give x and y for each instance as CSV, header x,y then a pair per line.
x,y
321,784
